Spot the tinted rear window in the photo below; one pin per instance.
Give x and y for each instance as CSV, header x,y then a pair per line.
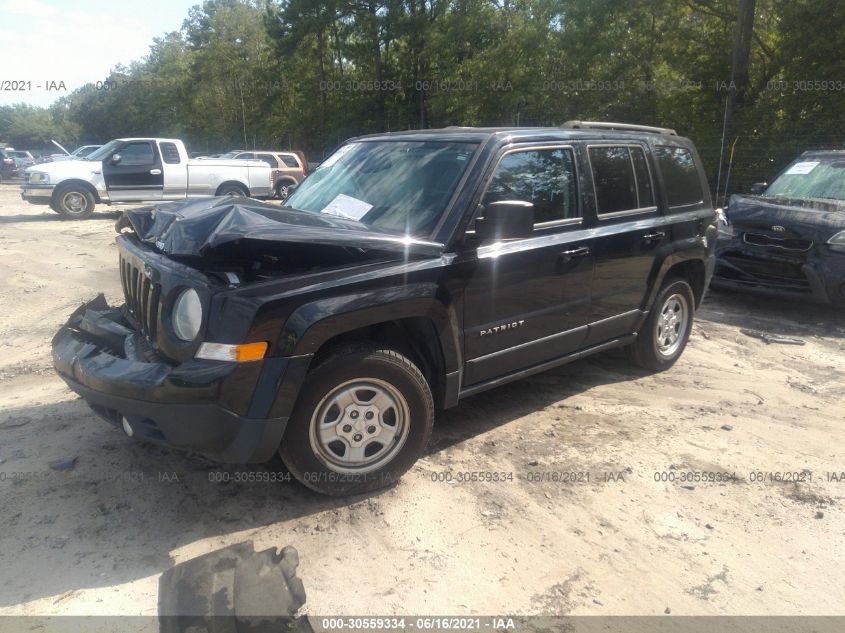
x,y
169,153
644,188
683,186
613,177
289,161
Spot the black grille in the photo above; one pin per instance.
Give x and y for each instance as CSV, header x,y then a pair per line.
x,y
772,273
782,243
142,298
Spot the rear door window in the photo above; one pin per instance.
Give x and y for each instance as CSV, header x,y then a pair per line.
x,y
680,176
290,161
621,178
269,159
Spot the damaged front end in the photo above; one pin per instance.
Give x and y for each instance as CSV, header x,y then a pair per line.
x,y
187,360
197,405
782,247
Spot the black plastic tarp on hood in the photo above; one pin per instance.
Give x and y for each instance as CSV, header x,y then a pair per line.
x,y
193,228
816,220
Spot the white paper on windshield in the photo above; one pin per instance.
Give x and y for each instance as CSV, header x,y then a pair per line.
x,y
804,167
347,207
331,160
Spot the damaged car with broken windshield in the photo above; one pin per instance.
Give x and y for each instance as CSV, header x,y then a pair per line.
x,y
788,238
408,271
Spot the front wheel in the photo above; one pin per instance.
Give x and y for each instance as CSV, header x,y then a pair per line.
x,y
666,331
362,420
73,202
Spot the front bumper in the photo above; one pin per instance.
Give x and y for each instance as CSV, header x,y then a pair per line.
x,y
37,194
220,409
818,277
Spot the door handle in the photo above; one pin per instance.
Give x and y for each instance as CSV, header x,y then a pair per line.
x,y
651,237
155,172
575,252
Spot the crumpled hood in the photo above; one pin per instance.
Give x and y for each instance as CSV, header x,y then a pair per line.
x,y
195,227
817,220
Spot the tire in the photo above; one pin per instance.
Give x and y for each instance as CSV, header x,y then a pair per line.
x,y
340,395
232,189
282,189
664,335
73,202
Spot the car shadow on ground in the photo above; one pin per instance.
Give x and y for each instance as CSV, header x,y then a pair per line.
x,y
55,217
124,506
117,515
772,315
494,408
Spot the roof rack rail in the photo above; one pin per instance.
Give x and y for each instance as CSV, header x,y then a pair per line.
x,y
607,125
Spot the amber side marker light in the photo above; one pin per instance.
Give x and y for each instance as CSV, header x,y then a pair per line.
x,y
237,353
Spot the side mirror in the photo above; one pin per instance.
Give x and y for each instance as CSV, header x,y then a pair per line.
x,y
116,158
506,219
758,188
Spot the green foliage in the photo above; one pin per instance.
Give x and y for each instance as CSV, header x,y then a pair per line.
x,y
307,74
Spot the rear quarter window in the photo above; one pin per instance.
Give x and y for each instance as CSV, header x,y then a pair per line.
x,y
169,153
680,176
290,161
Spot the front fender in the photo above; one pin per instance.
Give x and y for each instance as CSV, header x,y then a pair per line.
x,y
312,324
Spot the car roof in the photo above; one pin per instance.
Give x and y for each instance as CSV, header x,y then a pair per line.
x,y
519,134
821,153
266,151
149,138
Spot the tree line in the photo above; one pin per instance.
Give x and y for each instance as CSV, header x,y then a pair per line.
x,y
307,74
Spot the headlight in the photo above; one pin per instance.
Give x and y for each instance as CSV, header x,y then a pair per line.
x,y
187,315
837,242
723,225
39,177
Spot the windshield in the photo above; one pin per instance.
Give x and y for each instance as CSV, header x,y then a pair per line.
x,y
819,177
85,150
104,151
392,186
229,154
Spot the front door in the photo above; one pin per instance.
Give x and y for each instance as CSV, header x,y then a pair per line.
x,y
528,300
134,172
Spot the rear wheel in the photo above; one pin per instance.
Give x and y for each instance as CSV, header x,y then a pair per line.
x,y
666,331
73,202
362,420
282,189
232,189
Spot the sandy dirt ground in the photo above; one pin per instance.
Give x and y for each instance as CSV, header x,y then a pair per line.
x,y
633,538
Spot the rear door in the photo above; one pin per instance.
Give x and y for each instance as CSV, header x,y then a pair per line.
x,y
527,300
134,172
629,234
175,172
275,168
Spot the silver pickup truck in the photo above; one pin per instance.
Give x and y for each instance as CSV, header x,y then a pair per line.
x,y
140,170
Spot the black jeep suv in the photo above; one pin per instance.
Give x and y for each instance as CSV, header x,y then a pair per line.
x,y
408,271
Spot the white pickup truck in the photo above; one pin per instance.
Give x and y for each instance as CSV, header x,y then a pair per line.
x,y
139,170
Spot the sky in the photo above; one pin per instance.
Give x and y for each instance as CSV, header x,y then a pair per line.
x,y
44,43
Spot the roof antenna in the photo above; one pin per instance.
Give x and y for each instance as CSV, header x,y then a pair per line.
x,y
722,149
